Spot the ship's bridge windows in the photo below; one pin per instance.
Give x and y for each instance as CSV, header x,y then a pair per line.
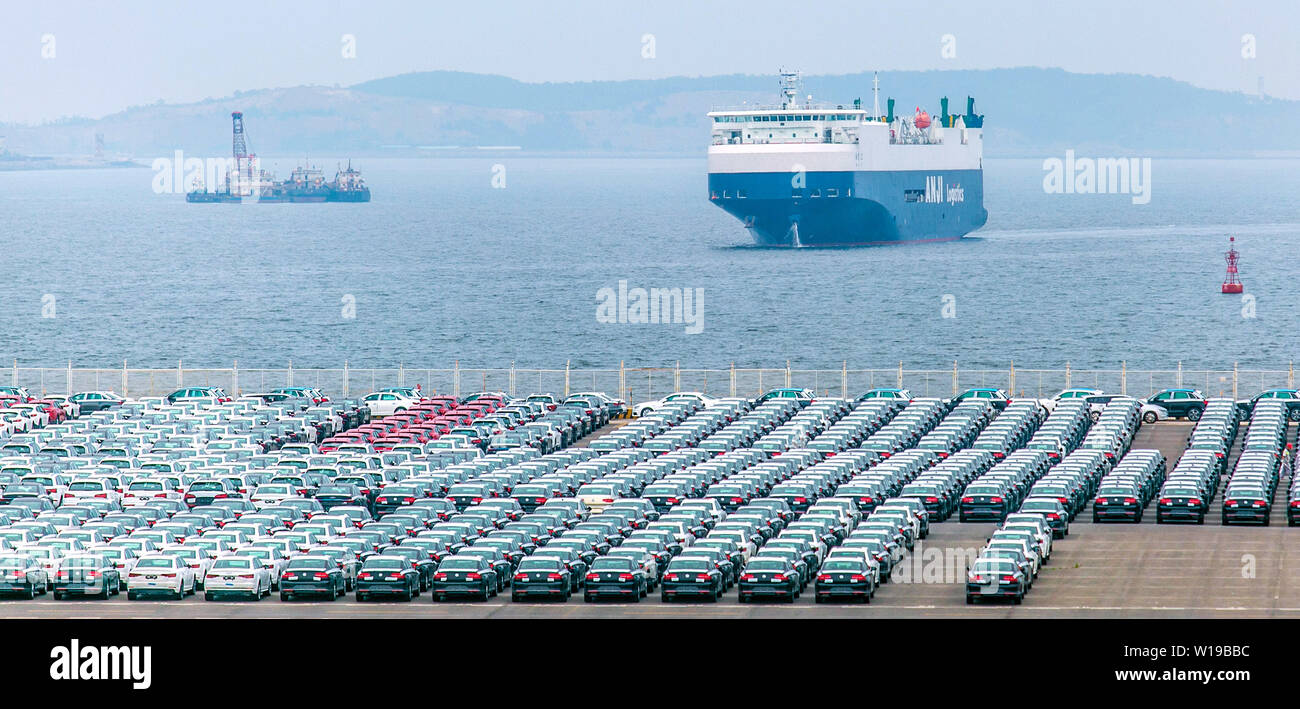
x,y
832,192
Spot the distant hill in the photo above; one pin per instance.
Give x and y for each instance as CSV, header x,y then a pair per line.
x,y
1029,112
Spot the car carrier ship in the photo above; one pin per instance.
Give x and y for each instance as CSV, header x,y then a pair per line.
x,y
814,174
245,181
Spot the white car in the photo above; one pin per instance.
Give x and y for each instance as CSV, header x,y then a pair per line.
x,y
23,573
648,407
49,557
1068,395
160,573
237,574
16,421
273,560
194,557
272,494
597,496
1149,412
89,488
56,486
384,403
141,491
121,557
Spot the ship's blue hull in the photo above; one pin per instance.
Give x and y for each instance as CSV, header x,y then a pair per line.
x,y
852,208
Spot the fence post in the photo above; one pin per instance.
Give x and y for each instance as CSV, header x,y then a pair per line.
x,y
124,378
1179,378
512,376
1234,380
566,378
1123,377
15,380
69,386
954,377
622,383
289,375
733,380
455,380
180,374
401,374
787,374
234,379
1290,375
1067,374
1011,379
844,379
677,376
900,374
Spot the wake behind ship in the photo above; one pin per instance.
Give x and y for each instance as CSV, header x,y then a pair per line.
x,y
826,175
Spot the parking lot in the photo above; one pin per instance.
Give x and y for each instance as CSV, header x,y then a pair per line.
x,y
1099,570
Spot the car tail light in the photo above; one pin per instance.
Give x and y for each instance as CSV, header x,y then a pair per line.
x,y
365,575
440,576
1166,501
670,577
748,577
102,494
824,577
168,576
1102,501
737,500
997,499
1259,503
558,577
593,577
1008,579
523,577
1130,500
932,500
966,500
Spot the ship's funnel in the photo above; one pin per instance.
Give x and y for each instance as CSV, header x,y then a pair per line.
x,y
943,108
890,108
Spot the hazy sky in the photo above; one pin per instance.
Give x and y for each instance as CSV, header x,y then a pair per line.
x,y
107,56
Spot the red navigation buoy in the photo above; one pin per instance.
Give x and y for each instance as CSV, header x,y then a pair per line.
x,y
1231,284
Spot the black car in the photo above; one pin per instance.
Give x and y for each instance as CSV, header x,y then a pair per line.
x,y
419,558
92,401
691,577
335,495
312,576
1176,504
387,576
983,505
995,578
845,578
1180,403
1249,507
620,577
1288,397
1117,503
464,576
768,576
541,576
